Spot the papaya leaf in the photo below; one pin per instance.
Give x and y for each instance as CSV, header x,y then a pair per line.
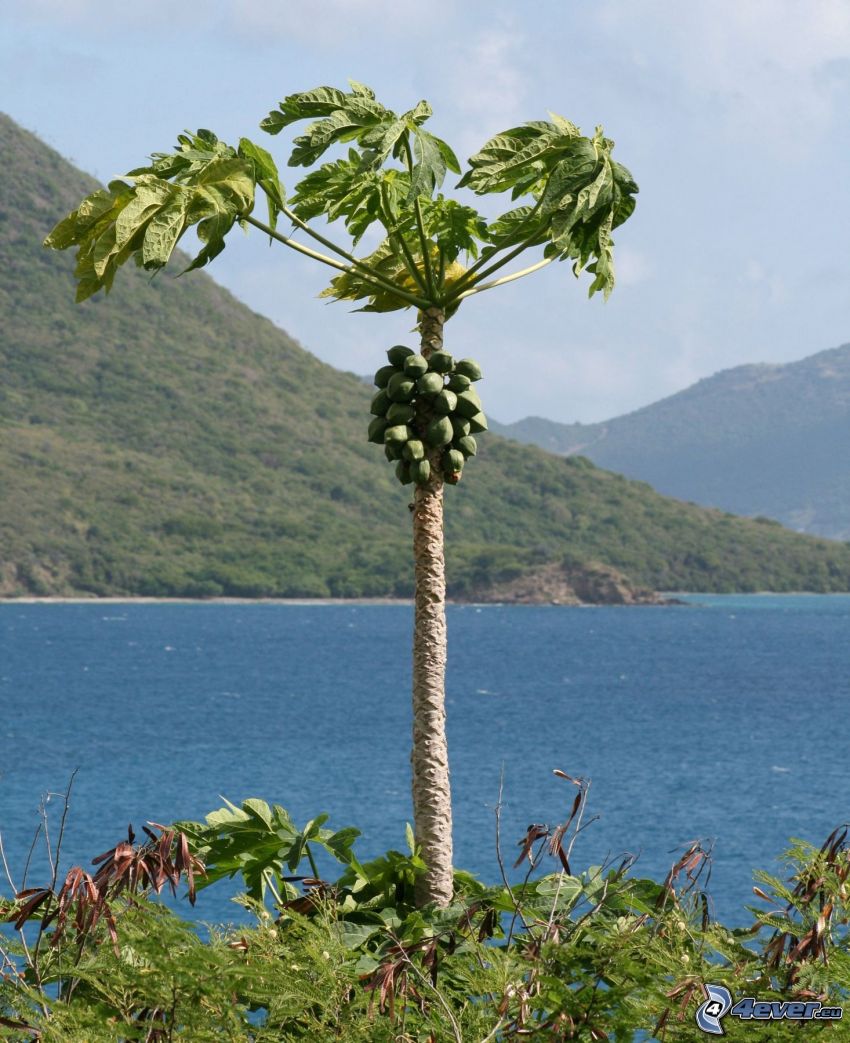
x,y
145,220
345,117
430,166
383,140
355,285
211,231
266,176
580,194
456,228
449,158
361,88
162,234
570,174
67,232
516,153
150,196
624,190
516,226
343,189
321,101
420,113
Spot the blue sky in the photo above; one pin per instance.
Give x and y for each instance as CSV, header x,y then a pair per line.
x,y
732,115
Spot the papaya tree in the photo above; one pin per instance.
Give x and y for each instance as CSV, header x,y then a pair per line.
x,y
434,252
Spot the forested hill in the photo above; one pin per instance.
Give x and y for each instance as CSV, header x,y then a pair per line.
x,y
758,439
166,440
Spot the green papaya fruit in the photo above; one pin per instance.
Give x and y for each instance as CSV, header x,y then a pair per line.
x,y
380,404
400,413
400,388
398,354
414,450
478,423
453,460
415,366
420,471
460,426
468,368
430,384
382,377
452,477
402,472
458,382
445,402
392,451
468,403
400,433
440,362
439,432
376,429
467,445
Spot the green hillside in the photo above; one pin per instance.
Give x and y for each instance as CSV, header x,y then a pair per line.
x,y
168,441
758,439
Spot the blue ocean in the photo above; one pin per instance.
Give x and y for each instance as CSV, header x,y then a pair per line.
x,y
723,719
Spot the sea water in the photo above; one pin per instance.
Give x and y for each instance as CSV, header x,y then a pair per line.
x,y
723,719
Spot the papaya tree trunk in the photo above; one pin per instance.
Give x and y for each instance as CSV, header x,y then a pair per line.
x,y
432,806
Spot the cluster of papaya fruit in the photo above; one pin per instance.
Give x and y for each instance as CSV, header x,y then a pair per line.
x,y
426,413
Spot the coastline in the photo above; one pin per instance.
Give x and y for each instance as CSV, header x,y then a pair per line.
x,y
130,599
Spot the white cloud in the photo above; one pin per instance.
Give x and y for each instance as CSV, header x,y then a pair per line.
x,y
763,285
99,20
770,69
632,266
486,74
320,23
326,23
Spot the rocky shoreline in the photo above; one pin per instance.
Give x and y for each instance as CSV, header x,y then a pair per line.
x,y
551,584
556,584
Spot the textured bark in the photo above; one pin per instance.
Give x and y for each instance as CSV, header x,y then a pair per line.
x,y
432,805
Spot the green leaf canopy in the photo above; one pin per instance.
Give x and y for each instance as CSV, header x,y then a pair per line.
x,y
569,195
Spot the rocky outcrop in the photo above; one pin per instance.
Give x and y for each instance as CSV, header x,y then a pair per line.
x,y
557,584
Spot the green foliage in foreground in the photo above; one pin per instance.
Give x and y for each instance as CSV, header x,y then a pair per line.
x,y
173,443
593,955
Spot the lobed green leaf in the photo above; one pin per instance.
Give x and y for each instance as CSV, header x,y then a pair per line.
x,y
430,166
457,228
265,175
210,185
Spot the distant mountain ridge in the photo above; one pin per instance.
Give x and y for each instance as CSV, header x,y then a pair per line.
x,y
168,441
765,439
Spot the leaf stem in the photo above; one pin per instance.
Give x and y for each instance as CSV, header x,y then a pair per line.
x,y
426,255
504,279
398,237
269,231
329,243
461,289
364,270
467,277
420,225
410,262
